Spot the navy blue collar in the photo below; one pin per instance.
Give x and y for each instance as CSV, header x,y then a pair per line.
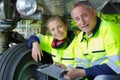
x,y
97,25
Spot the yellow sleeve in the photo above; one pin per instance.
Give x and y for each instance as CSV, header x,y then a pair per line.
x,y
45,43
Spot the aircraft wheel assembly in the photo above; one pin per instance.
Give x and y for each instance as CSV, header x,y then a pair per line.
x,y
16,63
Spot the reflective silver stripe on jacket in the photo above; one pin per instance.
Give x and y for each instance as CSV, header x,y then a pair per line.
x,y
83,62
82,65
87,63
98,61
112,63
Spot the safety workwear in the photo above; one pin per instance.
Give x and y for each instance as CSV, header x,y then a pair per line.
x,y
101,47
61,55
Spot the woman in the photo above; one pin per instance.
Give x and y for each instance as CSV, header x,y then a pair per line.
x,y
59,45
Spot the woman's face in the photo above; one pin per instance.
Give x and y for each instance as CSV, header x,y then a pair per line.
x,y
58,29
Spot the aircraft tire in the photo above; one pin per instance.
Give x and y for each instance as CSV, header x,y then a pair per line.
x,y
16,63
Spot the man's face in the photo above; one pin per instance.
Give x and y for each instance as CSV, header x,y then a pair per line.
x,y
85,19
58,29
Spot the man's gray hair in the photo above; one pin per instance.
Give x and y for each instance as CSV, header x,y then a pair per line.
x,y
86,3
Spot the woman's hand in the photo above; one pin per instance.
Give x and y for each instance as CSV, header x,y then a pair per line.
x,y
60,65
36,51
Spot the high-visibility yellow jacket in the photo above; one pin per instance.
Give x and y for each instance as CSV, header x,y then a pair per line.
x,y
64,56
103,46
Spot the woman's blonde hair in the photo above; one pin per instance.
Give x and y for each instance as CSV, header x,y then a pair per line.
x,y
55,17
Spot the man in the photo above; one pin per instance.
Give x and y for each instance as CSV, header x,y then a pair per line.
x,y
97,48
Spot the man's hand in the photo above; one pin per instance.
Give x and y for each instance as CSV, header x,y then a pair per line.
x,y
74,73
36,51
